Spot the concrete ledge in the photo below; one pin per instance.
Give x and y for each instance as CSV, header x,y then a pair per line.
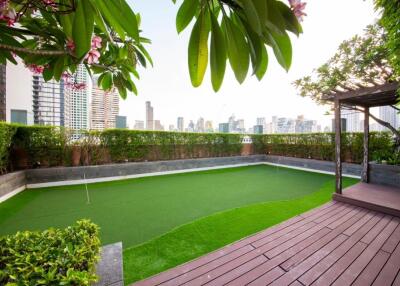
x,y
388,175
78,175
11,184
110,269
350,170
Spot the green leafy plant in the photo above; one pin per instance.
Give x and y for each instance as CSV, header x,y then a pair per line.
x,y
239,32
53,37
7,132
51,257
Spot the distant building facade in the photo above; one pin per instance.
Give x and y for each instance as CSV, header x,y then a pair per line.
x,y
48,101
121,122
149,116
258,129
104,108
158,126
223,128
180,124
3,98
390,115
139,125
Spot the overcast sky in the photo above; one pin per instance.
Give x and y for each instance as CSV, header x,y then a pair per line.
x,y
167,84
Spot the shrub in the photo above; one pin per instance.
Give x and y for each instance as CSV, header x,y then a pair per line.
x,y
6,135
51,257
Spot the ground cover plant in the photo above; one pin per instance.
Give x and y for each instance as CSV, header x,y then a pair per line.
x,y
226,204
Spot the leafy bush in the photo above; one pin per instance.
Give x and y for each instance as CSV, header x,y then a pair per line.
x,y
321,146
6,135
51,257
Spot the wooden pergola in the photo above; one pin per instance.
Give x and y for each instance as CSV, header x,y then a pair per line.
x,y
362,97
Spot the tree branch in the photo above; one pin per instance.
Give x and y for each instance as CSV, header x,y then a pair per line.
x,y
395,107
33,52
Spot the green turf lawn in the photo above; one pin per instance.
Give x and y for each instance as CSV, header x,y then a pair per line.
x,y
166,220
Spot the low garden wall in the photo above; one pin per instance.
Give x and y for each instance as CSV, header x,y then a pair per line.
x,y
385,175
11,183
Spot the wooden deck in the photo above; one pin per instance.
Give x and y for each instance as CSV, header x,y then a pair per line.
x,y
335,244
375,197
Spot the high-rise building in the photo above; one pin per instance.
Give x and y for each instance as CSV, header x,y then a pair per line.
x,y
48,101
352,120
180,124
200,125
285,125
3,98
149,116
343,124
209,126
158,126
223,127
2,92
303,125
171,127
19,107
390,115
258,129
191,126
139,125
77,101
120,122
104,108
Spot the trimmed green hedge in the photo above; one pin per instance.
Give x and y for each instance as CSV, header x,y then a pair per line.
x,y
44,146
51,257
7,132
321,146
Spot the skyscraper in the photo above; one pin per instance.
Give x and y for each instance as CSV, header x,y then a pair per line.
x,y
120,122
104,108
390,115
77,101
209,126
149,116
19,107
2,92
180,124
158,126
200,125
352,120
48,101
190,126
139,125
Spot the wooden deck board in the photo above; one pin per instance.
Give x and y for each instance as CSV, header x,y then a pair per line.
x,y
336,244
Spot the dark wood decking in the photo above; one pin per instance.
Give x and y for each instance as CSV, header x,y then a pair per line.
x,y
375,197
335,244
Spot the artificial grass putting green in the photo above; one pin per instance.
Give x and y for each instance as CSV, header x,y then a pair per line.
x,y
137,210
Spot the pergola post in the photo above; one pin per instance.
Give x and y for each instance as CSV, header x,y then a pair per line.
x,y
338,143
365,170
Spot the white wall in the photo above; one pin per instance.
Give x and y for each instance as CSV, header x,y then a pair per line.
x,y
19,90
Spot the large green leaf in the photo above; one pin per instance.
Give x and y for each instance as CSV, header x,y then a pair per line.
x,y
217,54
185,14
66,21
262,67
82,29
291,22
252,15
198,50
237,48
125,16
111,18
282,47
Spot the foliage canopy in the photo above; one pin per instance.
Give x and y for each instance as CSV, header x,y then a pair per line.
x,y
53,37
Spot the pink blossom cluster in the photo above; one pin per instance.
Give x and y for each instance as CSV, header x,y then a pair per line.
x,y
69,82
7,13
36,69
93,55
298,8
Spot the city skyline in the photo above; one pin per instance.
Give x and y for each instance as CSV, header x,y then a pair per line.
x,y
167,84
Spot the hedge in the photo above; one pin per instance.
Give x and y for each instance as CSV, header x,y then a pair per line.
x,y
43,146
51,257
7,132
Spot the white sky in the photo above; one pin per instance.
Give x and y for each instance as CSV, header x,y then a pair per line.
x,y
167,84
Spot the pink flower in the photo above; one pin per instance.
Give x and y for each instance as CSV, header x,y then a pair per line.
x,y
70,45
7,14
35,68
96,42
298,8
92,56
